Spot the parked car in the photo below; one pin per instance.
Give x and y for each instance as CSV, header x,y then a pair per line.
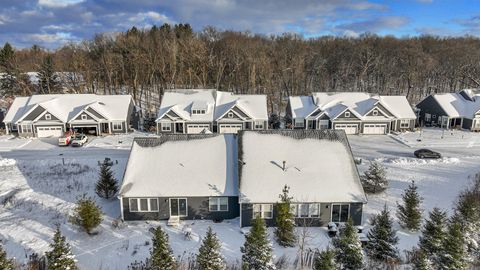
x,y
79,140
66,139
427,153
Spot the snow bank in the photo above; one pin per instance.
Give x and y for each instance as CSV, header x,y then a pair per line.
x,y
417,161
6,162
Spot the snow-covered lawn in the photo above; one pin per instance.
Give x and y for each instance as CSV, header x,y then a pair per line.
x,y
40,182
438,137
8,142
116,141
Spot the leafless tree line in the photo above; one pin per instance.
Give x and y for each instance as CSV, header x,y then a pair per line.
x,y
146,62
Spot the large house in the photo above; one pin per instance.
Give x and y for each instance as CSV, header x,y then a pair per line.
x,y
317,166
451,110
192,111
168,177
353,112
52,115
171,177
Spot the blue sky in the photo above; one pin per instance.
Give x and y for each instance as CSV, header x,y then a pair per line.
x,y
51,23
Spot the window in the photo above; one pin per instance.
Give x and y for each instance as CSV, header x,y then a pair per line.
x,y
117,125
375,113
340,212
26,128
428,117
306,210
263,210
178,207
217,204
83,117
258,124
202,111
48,116
323,124
434,116
347,114
404,123
299,122
166,126
230,115
199,111
143,205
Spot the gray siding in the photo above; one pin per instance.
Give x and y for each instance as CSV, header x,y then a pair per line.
x,y
79,117
467,123
356,212
239,112
159,129
234,118
380,106
342,117
197,209
53,118
431,106
34,114
95,113
380,112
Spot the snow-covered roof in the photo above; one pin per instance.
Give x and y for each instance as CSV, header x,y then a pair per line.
x,y
456,105
301,106
360,103
182,165
319,166
181,101
67,106
254,106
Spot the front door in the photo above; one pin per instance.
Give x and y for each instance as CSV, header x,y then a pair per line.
x,y
178,207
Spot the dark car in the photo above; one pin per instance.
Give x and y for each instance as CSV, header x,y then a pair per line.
x,y
426,153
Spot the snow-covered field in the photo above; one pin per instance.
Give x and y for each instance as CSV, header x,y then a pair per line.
x,y
40,182
436,137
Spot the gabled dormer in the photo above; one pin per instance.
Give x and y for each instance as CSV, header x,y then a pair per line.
x,y
235,113
379,111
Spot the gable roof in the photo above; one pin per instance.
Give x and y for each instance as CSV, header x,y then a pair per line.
x,y
66,106
182,165
319,166
181,101
301,106
360,103
456,105
254,106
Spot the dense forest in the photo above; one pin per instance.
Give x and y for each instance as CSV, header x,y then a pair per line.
x,y
145,62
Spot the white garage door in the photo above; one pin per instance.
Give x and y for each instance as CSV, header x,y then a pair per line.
x,y
230,128
195,129
43,132
349,128
374,128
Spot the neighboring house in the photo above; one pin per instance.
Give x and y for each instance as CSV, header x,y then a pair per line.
x,y
192,111
317,166
181,176
240,112
353,112
52,115
451,110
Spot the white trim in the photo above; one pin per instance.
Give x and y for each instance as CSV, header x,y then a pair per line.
x,y
116,123
48,116
149,205
403,120
261,126
178,199
347,114
297,208
262,212
218,204
121,207
83,116
163,126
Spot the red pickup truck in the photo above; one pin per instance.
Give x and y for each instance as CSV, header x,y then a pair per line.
x,y
66,139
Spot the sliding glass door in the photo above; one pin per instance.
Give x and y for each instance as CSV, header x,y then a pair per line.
x,y
178,207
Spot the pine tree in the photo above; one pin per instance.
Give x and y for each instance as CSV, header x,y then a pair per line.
x,y
375,179
87,214
47,77
382,239
60,256
161,256
284,232
257,250
409,213
11,78
453,253
348,249
433,235
420,260
106,186
5,263
325,261
209,256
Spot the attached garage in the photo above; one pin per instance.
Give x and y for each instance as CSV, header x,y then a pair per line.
x,y
87,130
230,128
374,128
197,128
348,128
49,131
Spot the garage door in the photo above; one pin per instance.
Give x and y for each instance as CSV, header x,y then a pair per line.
x,y
230,128
349,128
43,132
374,128
195,129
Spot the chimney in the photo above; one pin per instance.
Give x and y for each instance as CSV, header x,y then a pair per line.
x,y
284,163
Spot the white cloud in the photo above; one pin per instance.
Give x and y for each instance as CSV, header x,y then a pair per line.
x,y
58,3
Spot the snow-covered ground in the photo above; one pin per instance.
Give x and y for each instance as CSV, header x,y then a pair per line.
x,y
40,182
437,137
9,142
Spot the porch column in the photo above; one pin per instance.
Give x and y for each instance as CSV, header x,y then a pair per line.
x,y
7,129
109,128
461,123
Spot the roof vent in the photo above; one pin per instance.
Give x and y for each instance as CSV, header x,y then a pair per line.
x,y
101,103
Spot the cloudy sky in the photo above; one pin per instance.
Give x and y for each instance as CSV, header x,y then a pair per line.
x,y
51,23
